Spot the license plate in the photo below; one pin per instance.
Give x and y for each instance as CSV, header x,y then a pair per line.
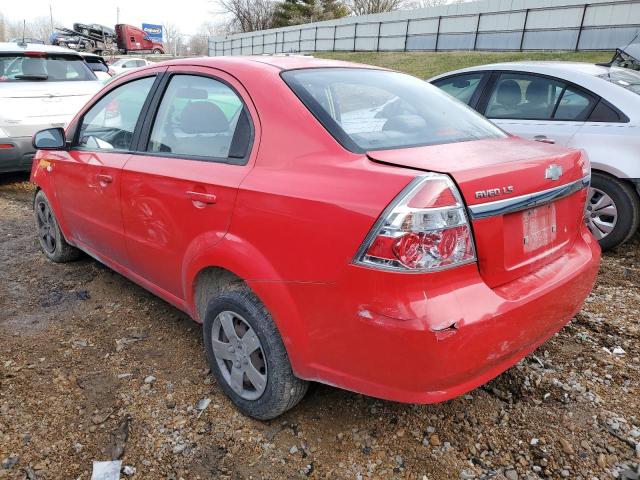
x,y
539,227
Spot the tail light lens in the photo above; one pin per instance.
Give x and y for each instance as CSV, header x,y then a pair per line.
x,y
424,229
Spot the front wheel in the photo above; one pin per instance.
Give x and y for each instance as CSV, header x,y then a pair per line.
x,y
157,51
247,356
613,210
50,237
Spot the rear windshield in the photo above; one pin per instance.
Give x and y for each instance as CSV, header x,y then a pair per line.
x,y
17,67
366,109
96,64
625,78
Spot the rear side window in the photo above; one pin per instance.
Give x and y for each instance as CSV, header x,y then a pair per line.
x,y
366,109
43,68
524,96
110,123
200,117
461,87
606,113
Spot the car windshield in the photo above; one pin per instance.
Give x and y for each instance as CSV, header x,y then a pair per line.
x,y
43,67
120,62
366,109
628,79
96,64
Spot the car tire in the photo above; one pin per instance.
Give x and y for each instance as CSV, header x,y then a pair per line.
x,y
613,210
50,237
230,318
157,51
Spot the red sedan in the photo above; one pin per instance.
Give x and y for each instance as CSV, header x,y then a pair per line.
x,y
325,221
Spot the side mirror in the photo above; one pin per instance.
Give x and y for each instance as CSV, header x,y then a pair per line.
x,y
49,139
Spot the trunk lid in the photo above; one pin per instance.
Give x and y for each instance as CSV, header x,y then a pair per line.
x,y
513,237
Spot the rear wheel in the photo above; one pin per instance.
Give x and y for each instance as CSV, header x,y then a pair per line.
x,y
51,240
157,51
247,356
613,210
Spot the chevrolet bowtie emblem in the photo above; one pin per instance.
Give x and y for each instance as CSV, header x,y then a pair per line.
x,y
553,172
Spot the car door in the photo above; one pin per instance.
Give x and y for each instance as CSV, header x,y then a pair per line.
x,y
88,175
536,107
179,189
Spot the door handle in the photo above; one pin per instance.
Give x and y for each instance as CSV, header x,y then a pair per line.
x,y
104,179
544,139
200,199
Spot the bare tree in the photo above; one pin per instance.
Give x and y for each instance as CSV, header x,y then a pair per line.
x,y
248,15
3,37
172,38
429,3
39,27
366,7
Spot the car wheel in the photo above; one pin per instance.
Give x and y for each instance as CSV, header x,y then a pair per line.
x,y
52,242
156,51
247,356
613,210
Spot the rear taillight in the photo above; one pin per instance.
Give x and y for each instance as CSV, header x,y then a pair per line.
x,y
424,229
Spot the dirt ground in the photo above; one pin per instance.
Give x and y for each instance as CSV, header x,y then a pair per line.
x,y
94,367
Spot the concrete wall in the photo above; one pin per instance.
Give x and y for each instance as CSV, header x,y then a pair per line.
x,y
478,25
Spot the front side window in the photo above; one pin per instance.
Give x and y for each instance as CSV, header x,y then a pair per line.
x,y
110,123
18,67
368,109
201,117
461,87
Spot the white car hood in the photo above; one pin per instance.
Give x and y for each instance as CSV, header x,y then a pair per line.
x,y
26,107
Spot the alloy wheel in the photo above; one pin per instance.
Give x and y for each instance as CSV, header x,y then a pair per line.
x,y
239,355
46,227
601,214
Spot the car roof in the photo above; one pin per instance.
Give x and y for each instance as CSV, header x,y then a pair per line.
x,y
549,67
278,62
12,47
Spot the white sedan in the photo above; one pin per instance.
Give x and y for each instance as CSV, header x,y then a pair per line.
x,y
127,64
41,86
579,105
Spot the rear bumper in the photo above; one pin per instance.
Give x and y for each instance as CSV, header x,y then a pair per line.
x,y
429,338
19,157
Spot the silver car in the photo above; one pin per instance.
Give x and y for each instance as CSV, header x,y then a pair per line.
x,y
580,105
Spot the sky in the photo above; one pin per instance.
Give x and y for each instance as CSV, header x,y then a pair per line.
x,y
187,15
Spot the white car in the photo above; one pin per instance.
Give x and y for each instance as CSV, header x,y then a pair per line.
x,y
579,105
98,65
41,86
127,64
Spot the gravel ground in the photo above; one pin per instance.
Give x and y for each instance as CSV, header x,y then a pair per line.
x,y
92,367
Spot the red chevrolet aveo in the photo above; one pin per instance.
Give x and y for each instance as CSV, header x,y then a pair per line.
x,y
325,221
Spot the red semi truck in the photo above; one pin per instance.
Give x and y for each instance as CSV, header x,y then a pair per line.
x,y
127,39
133,39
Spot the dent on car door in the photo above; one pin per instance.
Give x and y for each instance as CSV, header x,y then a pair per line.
x,y
537,107
89,173
179,190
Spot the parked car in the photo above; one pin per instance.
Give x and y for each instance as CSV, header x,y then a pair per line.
x,y
98,65
379,237
94,29
127,64
41,86
578,105
626,57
